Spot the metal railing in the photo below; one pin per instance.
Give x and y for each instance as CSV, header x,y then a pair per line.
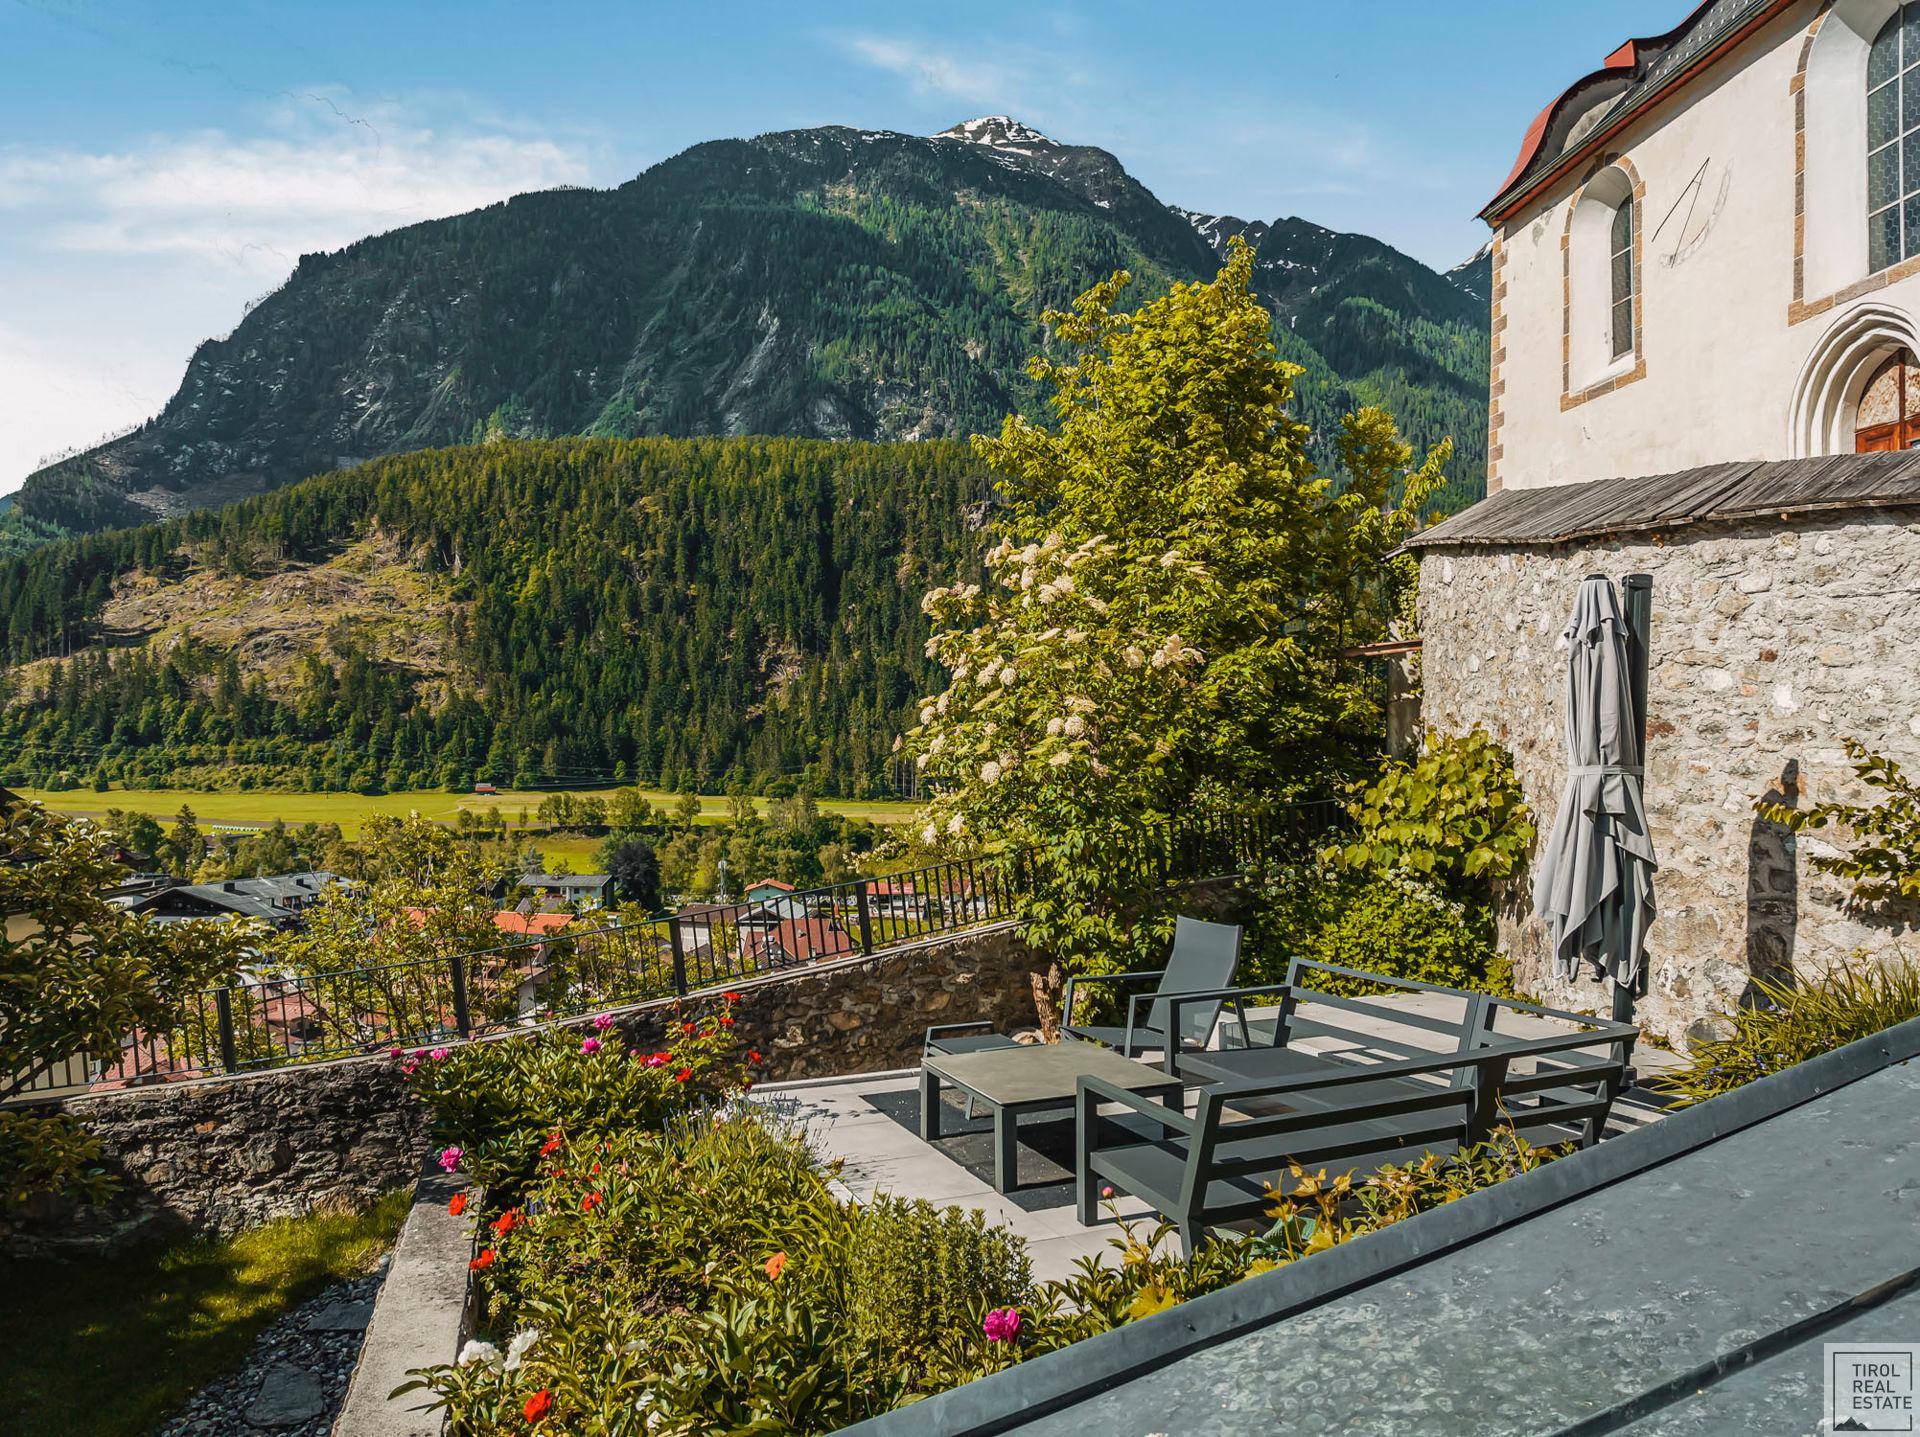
x,y
271,1019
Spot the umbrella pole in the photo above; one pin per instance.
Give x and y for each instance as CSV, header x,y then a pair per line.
x,y
1638,599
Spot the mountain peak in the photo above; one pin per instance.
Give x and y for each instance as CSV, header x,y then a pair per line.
x,y
999,132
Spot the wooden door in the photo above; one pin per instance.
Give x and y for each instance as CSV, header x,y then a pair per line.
x,y
1889,414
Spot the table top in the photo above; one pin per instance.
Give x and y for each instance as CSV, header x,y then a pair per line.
x,y
1043,1072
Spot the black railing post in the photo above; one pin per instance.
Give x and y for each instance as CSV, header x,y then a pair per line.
x,y
223,1015
462,1019
677,940
864,918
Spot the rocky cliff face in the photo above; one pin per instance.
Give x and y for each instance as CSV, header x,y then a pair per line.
x,y
832,283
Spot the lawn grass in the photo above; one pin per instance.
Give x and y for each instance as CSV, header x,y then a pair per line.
x,y
111,1346
216,806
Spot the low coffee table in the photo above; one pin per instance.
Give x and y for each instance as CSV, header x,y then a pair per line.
x,y
1014,1082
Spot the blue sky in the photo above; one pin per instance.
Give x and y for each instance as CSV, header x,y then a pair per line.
x,y
164,162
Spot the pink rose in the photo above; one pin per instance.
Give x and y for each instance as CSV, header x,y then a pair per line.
x,y
603,1022
450,1158
592,1045
439,1055
1002,1324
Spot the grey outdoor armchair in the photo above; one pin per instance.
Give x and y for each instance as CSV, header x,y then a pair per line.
x,y
1201,960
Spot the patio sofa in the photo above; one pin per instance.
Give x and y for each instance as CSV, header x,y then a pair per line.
x,y
1310,1089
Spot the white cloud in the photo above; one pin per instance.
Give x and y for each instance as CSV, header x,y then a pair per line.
x,y
262,200
119,261
935,69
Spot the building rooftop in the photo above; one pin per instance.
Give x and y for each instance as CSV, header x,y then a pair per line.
x,y
565,880
1639,74
1681,1279
1747,489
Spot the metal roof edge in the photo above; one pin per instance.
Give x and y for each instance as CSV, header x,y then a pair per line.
x,y
1006,1400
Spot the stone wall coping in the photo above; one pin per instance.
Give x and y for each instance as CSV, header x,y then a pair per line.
x,y
420,1318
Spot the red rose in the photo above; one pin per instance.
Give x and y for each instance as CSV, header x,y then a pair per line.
x,y
726,1020
458,1204
550,1147
537,1406
687,1029
731,997
484,1261
753,1055
683,1075
590,1202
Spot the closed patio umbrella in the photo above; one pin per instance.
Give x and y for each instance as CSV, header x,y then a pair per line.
x,y
1594,887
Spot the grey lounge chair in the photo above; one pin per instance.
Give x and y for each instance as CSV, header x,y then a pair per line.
x,y
1202,960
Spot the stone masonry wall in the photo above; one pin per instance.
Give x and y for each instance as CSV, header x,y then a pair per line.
x,y
1770,645
225,1153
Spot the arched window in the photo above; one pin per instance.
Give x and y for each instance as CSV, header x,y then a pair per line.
x,y
1893,141
1604,305
1621,246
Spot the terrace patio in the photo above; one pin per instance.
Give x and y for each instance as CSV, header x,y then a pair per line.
x,y
869,1123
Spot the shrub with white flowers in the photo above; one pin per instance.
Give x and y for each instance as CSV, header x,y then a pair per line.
x,y
1161,614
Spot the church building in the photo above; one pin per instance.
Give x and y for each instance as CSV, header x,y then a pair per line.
x,y
1706,315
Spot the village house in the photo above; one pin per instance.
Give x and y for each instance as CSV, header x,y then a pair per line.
x,y
1706,311
575,890
276,901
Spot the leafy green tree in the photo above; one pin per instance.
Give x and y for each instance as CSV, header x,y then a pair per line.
x,y
1162,616
77,974
636,873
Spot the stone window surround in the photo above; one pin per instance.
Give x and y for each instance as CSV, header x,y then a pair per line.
x,y
1621,373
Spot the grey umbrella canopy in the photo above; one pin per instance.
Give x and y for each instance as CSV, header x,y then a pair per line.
x,y
1594,886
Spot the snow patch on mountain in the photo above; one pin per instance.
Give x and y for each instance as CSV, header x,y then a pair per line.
x,y
1000,132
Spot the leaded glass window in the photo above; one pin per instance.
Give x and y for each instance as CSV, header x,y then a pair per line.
x,y
1893,141
1621,249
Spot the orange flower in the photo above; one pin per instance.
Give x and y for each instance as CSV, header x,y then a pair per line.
x,y
683,1075
484,1261
731,997
537,1406
458,1204
776,1265
726,1020
753,1055
590,1202
551,1146
687,1028
506,1222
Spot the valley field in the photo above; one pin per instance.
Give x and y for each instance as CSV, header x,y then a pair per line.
x,y
214,808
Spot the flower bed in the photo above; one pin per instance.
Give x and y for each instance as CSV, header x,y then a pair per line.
x,y
660,1255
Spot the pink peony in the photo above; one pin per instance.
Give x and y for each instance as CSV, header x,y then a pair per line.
x,y
393,1052
439,1055
592,1045
450,1158
603,1022
1002,1324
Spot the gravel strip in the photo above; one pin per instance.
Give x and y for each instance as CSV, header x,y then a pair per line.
x,y
295,1378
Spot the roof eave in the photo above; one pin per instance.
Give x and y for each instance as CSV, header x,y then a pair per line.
x,y
1520,188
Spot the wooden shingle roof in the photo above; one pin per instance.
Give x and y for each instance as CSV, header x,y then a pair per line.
x,y
1748,489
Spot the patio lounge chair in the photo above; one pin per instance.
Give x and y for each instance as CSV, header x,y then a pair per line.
x,y
1201,961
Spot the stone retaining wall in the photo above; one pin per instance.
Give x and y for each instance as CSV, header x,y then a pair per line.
x,y
225,1153
1769,646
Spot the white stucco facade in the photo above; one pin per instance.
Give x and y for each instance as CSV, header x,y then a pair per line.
x,y
1758,317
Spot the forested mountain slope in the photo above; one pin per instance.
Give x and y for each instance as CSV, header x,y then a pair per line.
x,y
832,283
680,611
